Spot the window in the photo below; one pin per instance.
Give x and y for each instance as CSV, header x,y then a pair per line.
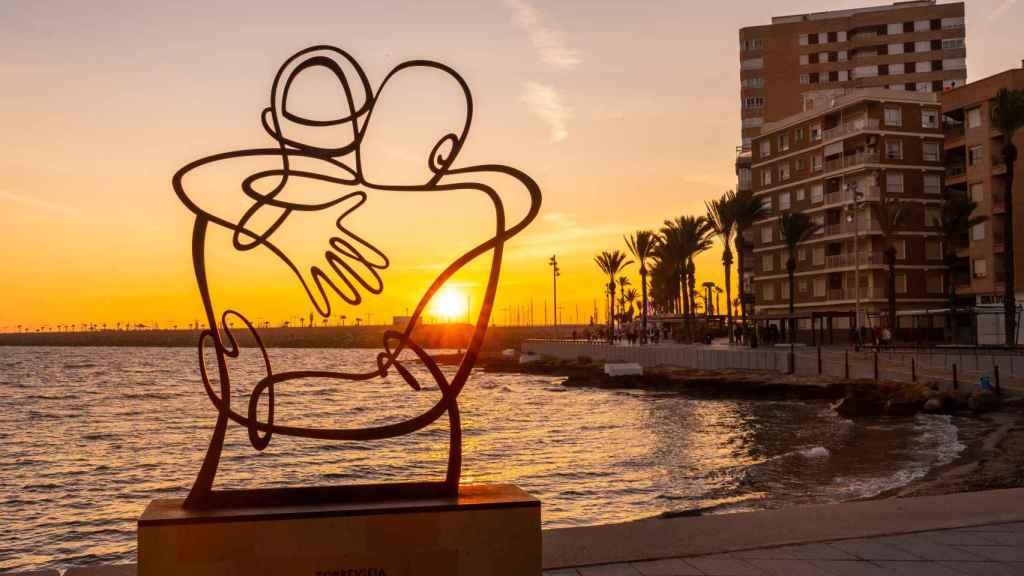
x,y
752,44
801,164
816,163
923,87
952,43
935,283
783,173
932,184
865,71
767,203
819,221
802,286
768,291
925,66
893,149
893,116
895,48
894,28
901,249
922,46
896,69
901,283
784,199
930,151
975,156
949,23
798,134
817,194
805,78
757,82
803,40
752,64
753,122
766,177
801,254
922,25
978,232
767,262
977,192
894,182
954,64
766,148
932,216
815,132
933,249
974,118
819,255
783,142
800,194
929,118
753,102
819,287
766,234
805,59
784,290
980,266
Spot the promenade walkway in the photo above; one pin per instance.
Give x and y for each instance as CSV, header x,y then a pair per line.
x,y
901,365
979,533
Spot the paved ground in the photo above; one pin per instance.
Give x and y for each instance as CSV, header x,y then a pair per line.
x,y
994,549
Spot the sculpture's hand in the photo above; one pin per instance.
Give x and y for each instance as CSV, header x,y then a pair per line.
x,y
348,266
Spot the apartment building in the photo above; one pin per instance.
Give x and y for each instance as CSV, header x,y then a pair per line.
x,y
975,168
869,145
792,62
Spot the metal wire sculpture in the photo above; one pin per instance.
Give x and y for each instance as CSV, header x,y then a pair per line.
x,y
354,266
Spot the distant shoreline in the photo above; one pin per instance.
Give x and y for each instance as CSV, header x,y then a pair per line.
x,y
435,336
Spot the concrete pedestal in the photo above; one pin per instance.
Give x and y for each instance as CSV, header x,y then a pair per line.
x,y
486,529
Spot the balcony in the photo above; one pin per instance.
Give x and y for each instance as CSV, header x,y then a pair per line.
x,y
851,128
848,260
869,193
956,174
850,161
866,292
849,228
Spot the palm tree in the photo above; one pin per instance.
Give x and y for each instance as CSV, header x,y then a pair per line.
x,y
628,299
672,254
1008,116
696,238
955,222
623,283
723,224
890,216
642,245
611,263
746,210
795,228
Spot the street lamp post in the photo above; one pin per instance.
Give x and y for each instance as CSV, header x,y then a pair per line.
x,y
555,273
857,196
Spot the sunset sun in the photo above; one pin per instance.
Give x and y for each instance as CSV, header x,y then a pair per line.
x,y
450,303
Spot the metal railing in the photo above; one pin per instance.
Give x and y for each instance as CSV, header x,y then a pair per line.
x,y
849,228
841,196
853,127
850,293
842,260
850,161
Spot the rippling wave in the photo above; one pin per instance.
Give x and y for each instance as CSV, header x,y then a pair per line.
x,y
89,435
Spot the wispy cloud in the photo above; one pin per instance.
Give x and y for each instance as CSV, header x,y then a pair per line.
x,y
1001,9
36,202
562,230
546,40
546,103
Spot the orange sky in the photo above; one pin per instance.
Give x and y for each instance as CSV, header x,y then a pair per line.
x,y
625,113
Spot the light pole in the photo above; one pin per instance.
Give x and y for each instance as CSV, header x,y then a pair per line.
x,y
555,273
854,213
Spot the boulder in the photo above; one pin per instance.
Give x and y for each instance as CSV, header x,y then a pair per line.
x,y
982,401
902,407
